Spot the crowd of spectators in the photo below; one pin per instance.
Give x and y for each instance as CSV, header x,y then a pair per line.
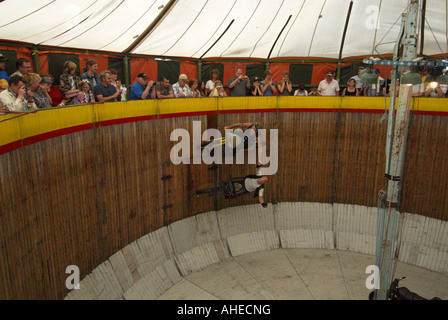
x,y
23,91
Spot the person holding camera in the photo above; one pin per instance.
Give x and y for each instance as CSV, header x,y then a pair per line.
x,y
143,89
218,91
16,98
239,85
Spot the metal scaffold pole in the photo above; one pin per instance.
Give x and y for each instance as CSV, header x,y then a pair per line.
x,y
388,224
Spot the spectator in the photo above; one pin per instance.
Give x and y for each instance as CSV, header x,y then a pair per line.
x,y
436,90
85,93
17,98
4,78
164,89
375,90
118,84
57,98
23,67
314,92
32,83
193,84
105,91
351,89
90,73
284,86
201,88
218,91
329,86
386,88
210,85
255,89
239,85
44,92
267,86
69,82
359,85
143,89
301,91
181,89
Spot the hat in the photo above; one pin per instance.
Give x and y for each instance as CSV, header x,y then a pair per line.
x,y
256,79
330,73
3,58
143,76
183,77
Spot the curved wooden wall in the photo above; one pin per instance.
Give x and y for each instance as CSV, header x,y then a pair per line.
x,y
80,183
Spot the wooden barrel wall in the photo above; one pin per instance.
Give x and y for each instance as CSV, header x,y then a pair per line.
x,y
76,198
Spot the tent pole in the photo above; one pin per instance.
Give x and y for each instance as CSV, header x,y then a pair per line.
x,y
423,24
35,56
170,5
276,40
127,75
347,20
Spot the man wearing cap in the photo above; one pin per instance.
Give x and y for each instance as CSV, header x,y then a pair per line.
x,y
239,85
181,89
143,89
375,90
4,78
329,87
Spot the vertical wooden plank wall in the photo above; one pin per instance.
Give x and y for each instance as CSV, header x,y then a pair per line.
x,y
79,198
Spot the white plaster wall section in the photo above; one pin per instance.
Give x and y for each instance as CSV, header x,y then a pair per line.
x,y
194,231
245,219
304,225
101,284
253,242
355,228
424,243
197,242
154,284
248,229
155,262
200,257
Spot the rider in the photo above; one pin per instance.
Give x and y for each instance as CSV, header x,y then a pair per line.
x,y
251,183
246,139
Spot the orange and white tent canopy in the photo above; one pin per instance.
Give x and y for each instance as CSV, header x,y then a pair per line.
x,y
189,28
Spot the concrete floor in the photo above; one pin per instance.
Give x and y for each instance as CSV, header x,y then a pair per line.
x,y
297,274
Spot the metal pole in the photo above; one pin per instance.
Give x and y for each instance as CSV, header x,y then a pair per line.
x,y
387,238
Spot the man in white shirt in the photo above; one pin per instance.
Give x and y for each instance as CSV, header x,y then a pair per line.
x,y
329,86
181,89
16,98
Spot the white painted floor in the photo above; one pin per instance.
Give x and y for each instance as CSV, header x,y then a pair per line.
x,y
297,274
